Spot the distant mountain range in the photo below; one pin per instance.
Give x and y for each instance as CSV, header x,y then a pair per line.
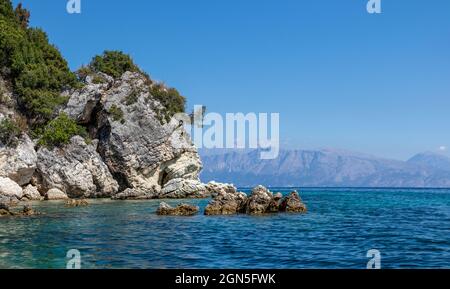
x,y
326,168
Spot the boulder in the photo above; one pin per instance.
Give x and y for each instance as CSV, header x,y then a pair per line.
x,y
184,188
76,169
259,201
226,203
18,163
214,188
55,194
9,188
181,210
31,193
292,204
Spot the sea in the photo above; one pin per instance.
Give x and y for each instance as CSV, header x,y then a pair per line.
x,y
406,228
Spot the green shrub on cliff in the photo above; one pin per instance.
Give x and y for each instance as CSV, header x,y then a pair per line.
x,y
9,132
37,70
60,130
113,63
170,98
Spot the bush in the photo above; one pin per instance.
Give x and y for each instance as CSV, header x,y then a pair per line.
x,y
113,63
60,130
116,113
9,132
132,98
170,98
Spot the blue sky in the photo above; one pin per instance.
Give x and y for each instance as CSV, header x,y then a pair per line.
x,y
338,76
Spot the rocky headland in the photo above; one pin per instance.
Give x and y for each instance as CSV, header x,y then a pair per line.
x,y
104,131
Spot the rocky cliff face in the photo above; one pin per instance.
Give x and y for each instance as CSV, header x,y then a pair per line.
x,y
132,154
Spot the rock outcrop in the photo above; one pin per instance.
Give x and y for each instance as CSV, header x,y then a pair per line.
x,y
76,169
19,162
181,210
261,201
226,202
292,204
149,157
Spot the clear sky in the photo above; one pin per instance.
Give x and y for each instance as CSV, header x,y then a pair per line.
x,y
338,76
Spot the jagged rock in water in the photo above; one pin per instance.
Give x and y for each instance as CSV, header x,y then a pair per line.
x,y
214,188
55,195
18,163
259,201
181,210
274,205
227,203
141,150
9,188
31,193
292,204
76,169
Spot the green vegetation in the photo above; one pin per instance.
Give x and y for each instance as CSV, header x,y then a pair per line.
x,y
116,113
60,130
170,98
98,79
9,132
38,72
132,98
113,63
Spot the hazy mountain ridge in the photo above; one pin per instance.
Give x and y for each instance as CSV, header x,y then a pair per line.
x,y
327,168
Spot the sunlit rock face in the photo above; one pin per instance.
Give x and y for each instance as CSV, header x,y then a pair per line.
x,y
147,156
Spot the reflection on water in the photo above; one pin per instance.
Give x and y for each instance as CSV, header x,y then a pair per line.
x,y
411,228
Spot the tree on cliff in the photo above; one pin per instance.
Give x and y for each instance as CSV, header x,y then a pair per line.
x,y
36,68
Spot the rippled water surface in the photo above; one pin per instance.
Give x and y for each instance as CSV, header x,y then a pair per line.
x,y
411,228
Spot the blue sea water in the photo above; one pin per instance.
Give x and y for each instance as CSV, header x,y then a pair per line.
x,y
410,228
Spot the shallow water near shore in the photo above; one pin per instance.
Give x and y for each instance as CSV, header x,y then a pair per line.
x,y
410,227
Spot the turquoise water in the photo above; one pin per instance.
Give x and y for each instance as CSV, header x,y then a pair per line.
x,y
411,229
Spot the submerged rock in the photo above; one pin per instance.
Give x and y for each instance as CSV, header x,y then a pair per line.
x,y
28,211
55,195
76,203
181,210
292,204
